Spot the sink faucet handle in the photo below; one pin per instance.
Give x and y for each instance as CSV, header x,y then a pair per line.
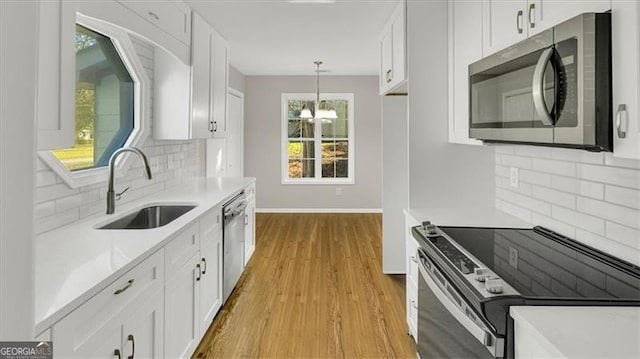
x,y
119,195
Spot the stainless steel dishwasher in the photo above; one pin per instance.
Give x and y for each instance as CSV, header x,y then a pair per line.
x,y
233,243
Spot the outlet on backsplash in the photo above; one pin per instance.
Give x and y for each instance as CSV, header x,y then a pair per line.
x,y
513,257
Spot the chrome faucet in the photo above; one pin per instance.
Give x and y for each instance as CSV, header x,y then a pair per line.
x,y
111,195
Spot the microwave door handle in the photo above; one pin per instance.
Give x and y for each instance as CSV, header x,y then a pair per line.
x,y
537,89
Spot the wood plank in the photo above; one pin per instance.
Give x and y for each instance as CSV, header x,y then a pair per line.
x,y
314,288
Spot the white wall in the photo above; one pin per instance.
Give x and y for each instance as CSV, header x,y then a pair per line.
x,y
172,163
18,56
263,148
441,174
591,197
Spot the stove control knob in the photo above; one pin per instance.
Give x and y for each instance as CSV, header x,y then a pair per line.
x,y
481,274
425,224
429,228
493,285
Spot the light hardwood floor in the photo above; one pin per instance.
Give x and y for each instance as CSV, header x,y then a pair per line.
x,y
314,288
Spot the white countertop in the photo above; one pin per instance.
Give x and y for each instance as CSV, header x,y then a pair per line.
x,y
75,262
583,332
468,217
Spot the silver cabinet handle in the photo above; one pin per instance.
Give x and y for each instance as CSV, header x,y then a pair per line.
x,y
519,21
537,89
215,126
133,346
153,15
210,126
532,15
121,290
116,353
204,265
389,76
622,129
246,219
414,259
199,272
414,304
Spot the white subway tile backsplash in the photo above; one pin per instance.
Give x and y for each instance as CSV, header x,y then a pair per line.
x,y
557,197
618,176
45,209
609,160
556,167
45,178
566,154
533,177
58,220
625,235
576,186
66,203
611,212
52,192
515,161
593,197
580,220
622,196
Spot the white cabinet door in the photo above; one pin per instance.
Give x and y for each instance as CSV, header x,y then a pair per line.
x,y
142,331
219,84
504,23
235,136
386,62
99,344
172,17
625,37
465,47
202,42
249,230
392,51
543,14
211,282
56,75
181,314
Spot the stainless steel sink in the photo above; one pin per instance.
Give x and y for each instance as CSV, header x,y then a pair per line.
x,y
149,217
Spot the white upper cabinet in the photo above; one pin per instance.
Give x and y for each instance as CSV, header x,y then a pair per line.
x,y
625,26
506,22
189,100
172,17
393,51
56,75
465,47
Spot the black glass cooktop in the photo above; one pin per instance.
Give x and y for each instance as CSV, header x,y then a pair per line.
x,y
540,263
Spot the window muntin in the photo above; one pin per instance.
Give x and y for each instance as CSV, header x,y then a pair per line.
x,y
104,101
317,150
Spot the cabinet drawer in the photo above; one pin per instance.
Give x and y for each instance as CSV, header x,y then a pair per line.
x,y
170,16
98,312
211,226
412,261
181,248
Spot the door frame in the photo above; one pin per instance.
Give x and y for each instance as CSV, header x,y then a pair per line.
x,y
233,92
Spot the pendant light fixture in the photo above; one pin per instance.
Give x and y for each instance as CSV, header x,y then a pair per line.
x,y
323,109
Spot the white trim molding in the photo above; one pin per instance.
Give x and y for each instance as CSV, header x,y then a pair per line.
x,y
318,210
318,180
141,118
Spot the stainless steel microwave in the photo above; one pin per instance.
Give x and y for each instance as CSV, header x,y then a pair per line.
x,y
552,89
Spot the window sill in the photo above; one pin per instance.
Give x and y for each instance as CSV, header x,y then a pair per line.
x,y
314,181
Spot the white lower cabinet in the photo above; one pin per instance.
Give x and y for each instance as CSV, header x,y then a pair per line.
x,y
182,310
126,314
412,278
250,228
211,261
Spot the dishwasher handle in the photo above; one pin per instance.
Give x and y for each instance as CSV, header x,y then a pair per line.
x,y
233,211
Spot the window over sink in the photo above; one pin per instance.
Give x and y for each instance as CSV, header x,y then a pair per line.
x,y
111,95
317,150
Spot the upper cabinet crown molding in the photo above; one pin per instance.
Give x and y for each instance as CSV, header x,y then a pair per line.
x,y
392,43
190,101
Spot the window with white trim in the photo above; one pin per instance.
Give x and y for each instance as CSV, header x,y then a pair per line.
x,y
111,95
317,150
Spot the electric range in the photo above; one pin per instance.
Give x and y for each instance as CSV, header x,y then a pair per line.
x,y
470,277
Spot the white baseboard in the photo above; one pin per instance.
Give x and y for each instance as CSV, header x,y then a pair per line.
x,y
318,210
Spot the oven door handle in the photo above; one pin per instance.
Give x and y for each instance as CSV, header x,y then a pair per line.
x,y
537,89
483,335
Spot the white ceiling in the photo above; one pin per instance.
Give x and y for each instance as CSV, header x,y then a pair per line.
x,y
277,37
